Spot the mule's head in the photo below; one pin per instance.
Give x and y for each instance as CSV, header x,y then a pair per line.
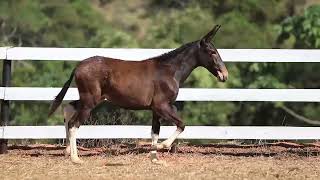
x,y
209,57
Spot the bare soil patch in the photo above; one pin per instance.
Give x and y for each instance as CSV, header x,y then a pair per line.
x,y
216,161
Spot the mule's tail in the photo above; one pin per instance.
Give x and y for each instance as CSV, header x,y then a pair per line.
x,y
58,99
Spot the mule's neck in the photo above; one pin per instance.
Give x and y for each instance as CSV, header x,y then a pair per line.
x,y
187,65
183,63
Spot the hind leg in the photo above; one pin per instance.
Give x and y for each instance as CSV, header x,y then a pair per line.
x,y
73,128
67,150
87,103
68,112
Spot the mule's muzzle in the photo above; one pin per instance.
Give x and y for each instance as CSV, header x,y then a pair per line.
x,y
222,75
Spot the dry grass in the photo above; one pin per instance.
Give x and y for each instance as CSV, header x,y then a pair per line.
x,y
210,162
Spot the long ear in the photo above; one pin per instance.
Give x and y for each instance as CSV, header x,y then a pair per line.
x,y
211,34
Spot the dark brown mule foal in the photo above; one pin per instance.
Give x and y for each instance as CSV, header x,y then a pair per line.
x,y
149,84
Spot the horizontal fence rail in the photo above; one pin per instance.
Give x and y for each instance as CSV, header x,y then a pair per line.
x,y
228,55
2,90
3,53
185,94
143,132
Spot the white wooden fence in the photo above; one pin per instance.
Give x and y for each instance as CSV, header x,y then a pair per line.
x,y
185,94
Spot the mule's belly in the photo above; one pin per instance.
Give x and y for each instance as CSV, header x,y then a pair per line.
x,y
129,101
131,93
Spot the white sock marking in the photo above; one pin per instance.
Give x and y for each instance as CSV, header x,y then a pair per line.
x,y
170,140
155,138
73,143
68,112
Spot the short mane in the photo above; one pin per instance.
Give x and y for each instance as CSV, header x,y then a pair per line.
x,y
174,52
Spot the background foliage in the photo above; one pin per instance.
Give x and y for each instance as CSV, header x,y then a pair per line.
x,y
169,24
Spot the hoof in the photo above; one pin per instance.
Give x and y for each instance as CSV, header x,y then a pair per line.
x,y
76,161
155,160
158,162
159,146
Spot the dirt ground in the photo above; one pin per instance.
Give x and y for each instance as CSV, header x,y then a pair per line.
x,y
217,161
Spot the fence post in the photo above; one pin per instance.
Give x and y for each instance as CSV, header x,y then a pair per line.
x,y
5,105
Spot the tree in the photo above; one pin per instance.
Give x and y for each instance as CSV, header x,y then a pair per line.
x,y
67,23
304,31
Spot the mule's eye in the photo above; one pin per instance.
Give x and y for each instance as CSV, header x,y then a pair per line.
x,y
214,52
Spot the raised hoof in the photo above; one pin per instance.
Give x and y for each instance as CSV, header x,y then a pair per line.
x,y
76,161
163,145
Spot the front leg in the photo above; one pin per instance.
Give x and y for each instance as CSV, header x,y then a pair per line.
x,y
155,128
155,136
169,112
